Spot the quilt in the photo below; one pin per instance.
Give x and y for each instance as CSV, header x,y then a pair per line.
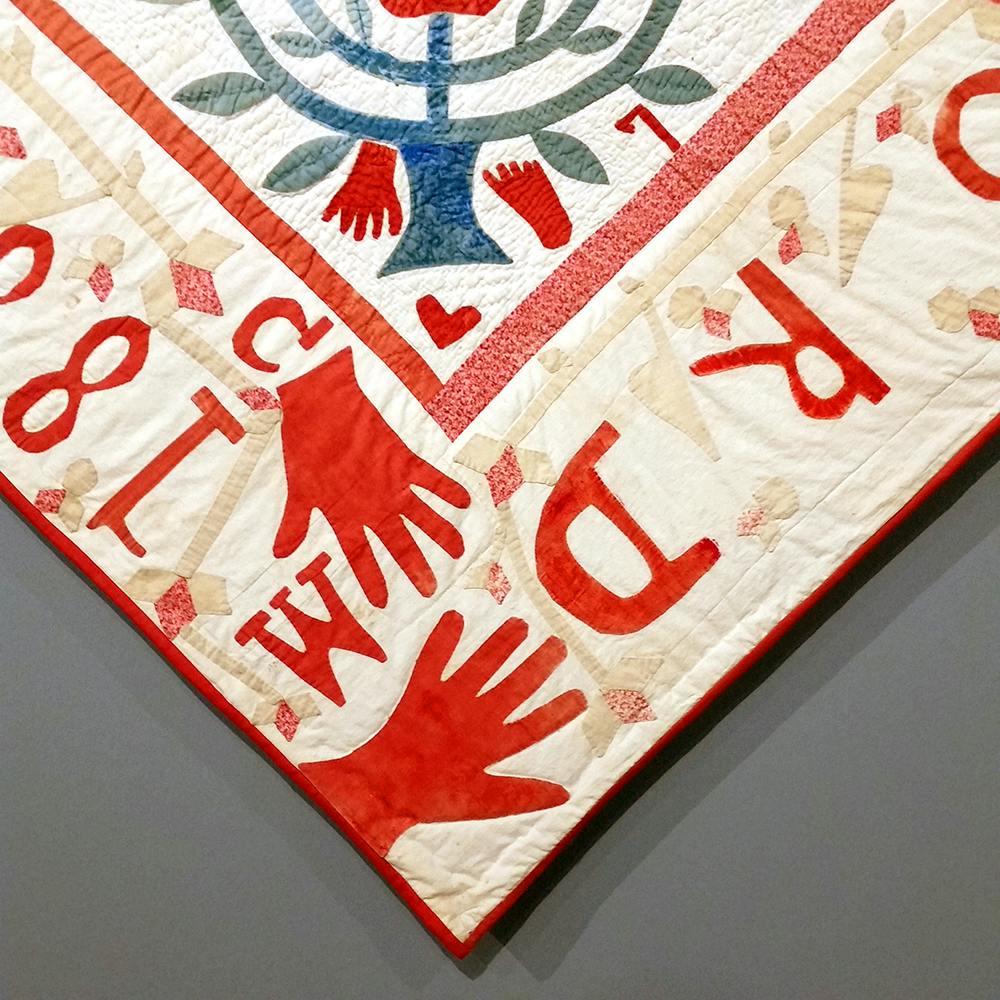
x,y
460,394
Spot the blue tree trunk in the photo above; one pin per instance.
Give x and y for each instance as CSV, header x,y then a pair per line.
x,y
443,228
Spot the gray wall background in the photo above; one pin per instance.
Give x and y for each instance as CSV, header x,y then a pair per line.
x,y
829,832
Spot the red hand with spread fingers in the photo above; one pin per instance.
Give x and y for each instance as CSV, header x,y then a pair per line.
x,y
369,194
344,460
428,763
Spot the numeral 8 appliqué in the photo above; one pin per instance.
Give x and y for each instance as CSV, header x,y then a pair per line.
x,y
71,380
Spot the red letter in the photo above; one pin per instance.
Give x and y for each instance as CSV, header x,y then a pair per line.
x,y
275,308
39,243
572,587
215,417
805,329
948,139
342,631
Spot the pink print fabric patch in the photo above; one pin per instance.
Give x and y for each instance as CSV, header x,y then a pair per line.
x,y
461,393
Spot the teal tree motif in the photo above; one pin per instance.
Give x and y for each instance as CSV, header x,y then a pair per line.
x,y
439,151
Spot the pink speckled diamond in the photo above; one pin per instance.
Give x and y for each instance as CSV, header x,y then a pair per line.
x,y
10,144
790,246
195,288
629,706
717,323
175,609
750,521
49,501
101,283
889,123
985,324
287,721
497,583
505,478
260,399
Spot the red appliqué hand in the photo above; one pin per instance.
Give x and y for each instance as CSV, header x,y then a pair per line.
x,y
344,460
428,763
369,194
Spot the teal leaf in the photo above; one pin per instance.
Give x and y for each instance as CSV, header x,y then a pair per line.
x,y
360,16
296,43
672,85
591,40
528,20
223,94
308,164
570,157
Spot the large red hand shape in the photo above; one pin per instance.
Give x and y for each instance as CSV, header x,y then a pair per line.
x,y
428,763
344,460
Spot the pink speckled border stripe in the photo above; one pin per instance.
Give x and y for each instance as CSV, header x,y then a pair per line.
x,y
743,115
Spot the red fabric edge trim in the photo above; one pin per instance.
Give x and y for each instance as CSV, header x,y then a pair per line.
x,y
459,948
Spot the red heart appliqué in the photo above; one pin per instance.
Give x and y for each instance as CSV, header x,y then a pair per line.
x,y
444,327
